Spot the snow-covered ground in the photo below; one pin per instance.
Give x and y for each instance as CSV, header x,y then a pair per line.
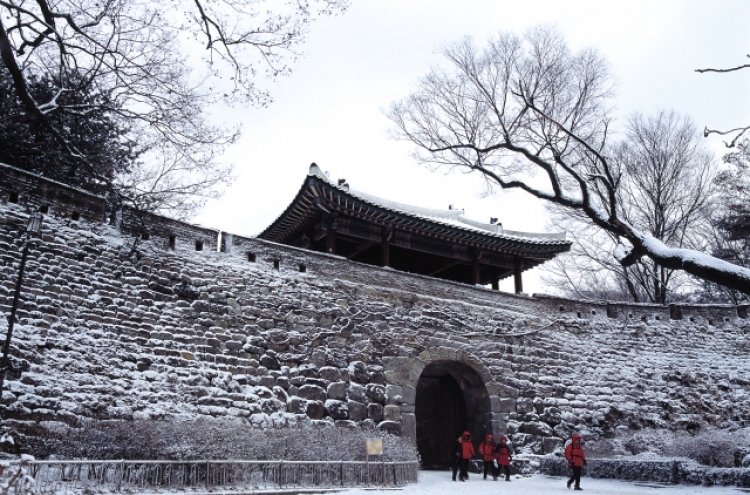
x,y
439,483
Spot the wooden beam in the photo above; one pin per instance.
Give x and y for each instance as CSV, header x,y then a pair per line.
x,y
360,248
517,277
475,274
385,246
444,265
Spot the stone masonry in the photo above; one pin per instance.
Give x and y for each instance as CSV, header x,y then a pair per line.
x,y
111,328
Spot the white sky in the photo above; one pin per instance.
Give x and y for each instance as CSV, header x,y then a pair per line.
x,y
331,109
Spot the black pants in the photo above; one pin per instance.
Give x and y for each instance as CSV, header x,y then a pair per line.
x,y
464,469
488,469
505,470
576,476
454,468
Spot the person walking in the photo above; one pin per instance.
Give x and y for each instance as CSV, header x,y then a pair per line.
x,y
487,451
503,454
467,452
576,460
455,456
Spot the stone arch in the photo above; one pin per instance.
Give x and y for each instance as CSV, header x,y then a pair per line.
x,y
479,391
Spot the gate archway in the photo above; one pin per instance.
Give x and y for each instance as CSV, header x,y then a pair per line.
x,y
451,397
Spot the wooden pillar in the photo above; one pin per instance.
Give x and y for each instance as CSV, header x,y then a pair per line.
x,y
517,265
495,282
331,240
385,246
475,268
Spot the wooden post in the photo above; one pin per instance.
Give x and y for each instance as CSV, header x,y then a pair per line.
x,y
495,282
475,268
385,246
331,240
517,265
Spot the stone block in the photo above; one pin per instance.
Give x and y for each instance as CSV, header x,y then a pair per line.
x,y
502,404
312,392
375,392
358,372
392,413
536,428
315,409
375,412
357,392
357,410
524,405
392,427
337,409
337,390
330,374
296,405
552,445
393,390
409,394
409,426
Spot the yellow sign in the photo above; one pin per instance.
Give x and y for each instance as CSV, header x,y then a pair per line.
x,y
374,446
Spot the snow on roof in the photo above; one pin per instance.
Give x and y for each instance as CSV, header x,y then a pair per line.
x,y
451,217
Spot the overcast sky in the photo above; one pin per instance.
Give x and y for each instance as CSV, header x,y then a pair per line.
x,y
331,109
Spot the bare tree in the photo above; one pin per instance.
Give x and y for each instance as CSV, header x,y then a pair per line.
x,y
737,132
163,64
666,179
527,113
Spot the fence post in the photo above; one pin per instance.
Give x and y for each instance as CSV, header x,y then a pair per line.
x,y
368,471
281,469
208,472
122,474
385,476
341,472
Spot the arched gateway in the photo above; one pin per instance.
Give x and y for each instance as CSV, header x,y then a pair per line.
x,y
451,398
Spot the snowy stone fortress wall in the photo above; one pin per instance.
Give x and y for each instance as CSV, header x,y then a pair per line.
x,y
277,334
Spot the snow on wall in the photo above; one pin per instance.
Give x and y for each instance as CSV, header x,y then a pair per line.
x,y
272,334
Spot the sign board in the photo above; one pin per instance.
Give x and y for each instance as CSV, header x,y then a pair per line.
x,y
374,446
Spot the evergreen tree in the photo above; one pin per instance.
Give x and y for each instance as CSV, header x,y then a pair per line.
x,y
87,119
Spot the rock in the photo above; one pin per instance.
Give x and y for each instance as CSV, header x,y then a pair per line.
x,y
392,413
377,377
357,410
358,372
357,392
312,392
270,362
512,427
337,390
375,392
746,461
315,409
392,427
337,409
330,374
280,394
375,412
536,428
296,405
524,405
551,445
392,391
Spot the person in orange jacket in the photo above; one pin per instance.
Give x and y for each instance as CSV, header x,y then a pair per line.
x,y
504,454
467,452
486,450
576,459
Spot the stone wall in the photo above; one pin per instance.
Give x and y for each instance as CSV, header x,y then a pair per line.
x,y
111,328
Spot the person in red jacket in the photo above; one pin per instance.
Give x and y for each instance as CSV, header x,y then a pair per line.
x,y
576,460
486,450
467,452
504,454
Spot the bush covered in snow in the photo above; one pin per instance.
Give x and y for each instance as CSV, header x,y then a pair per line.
x,y
209,439
715,448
